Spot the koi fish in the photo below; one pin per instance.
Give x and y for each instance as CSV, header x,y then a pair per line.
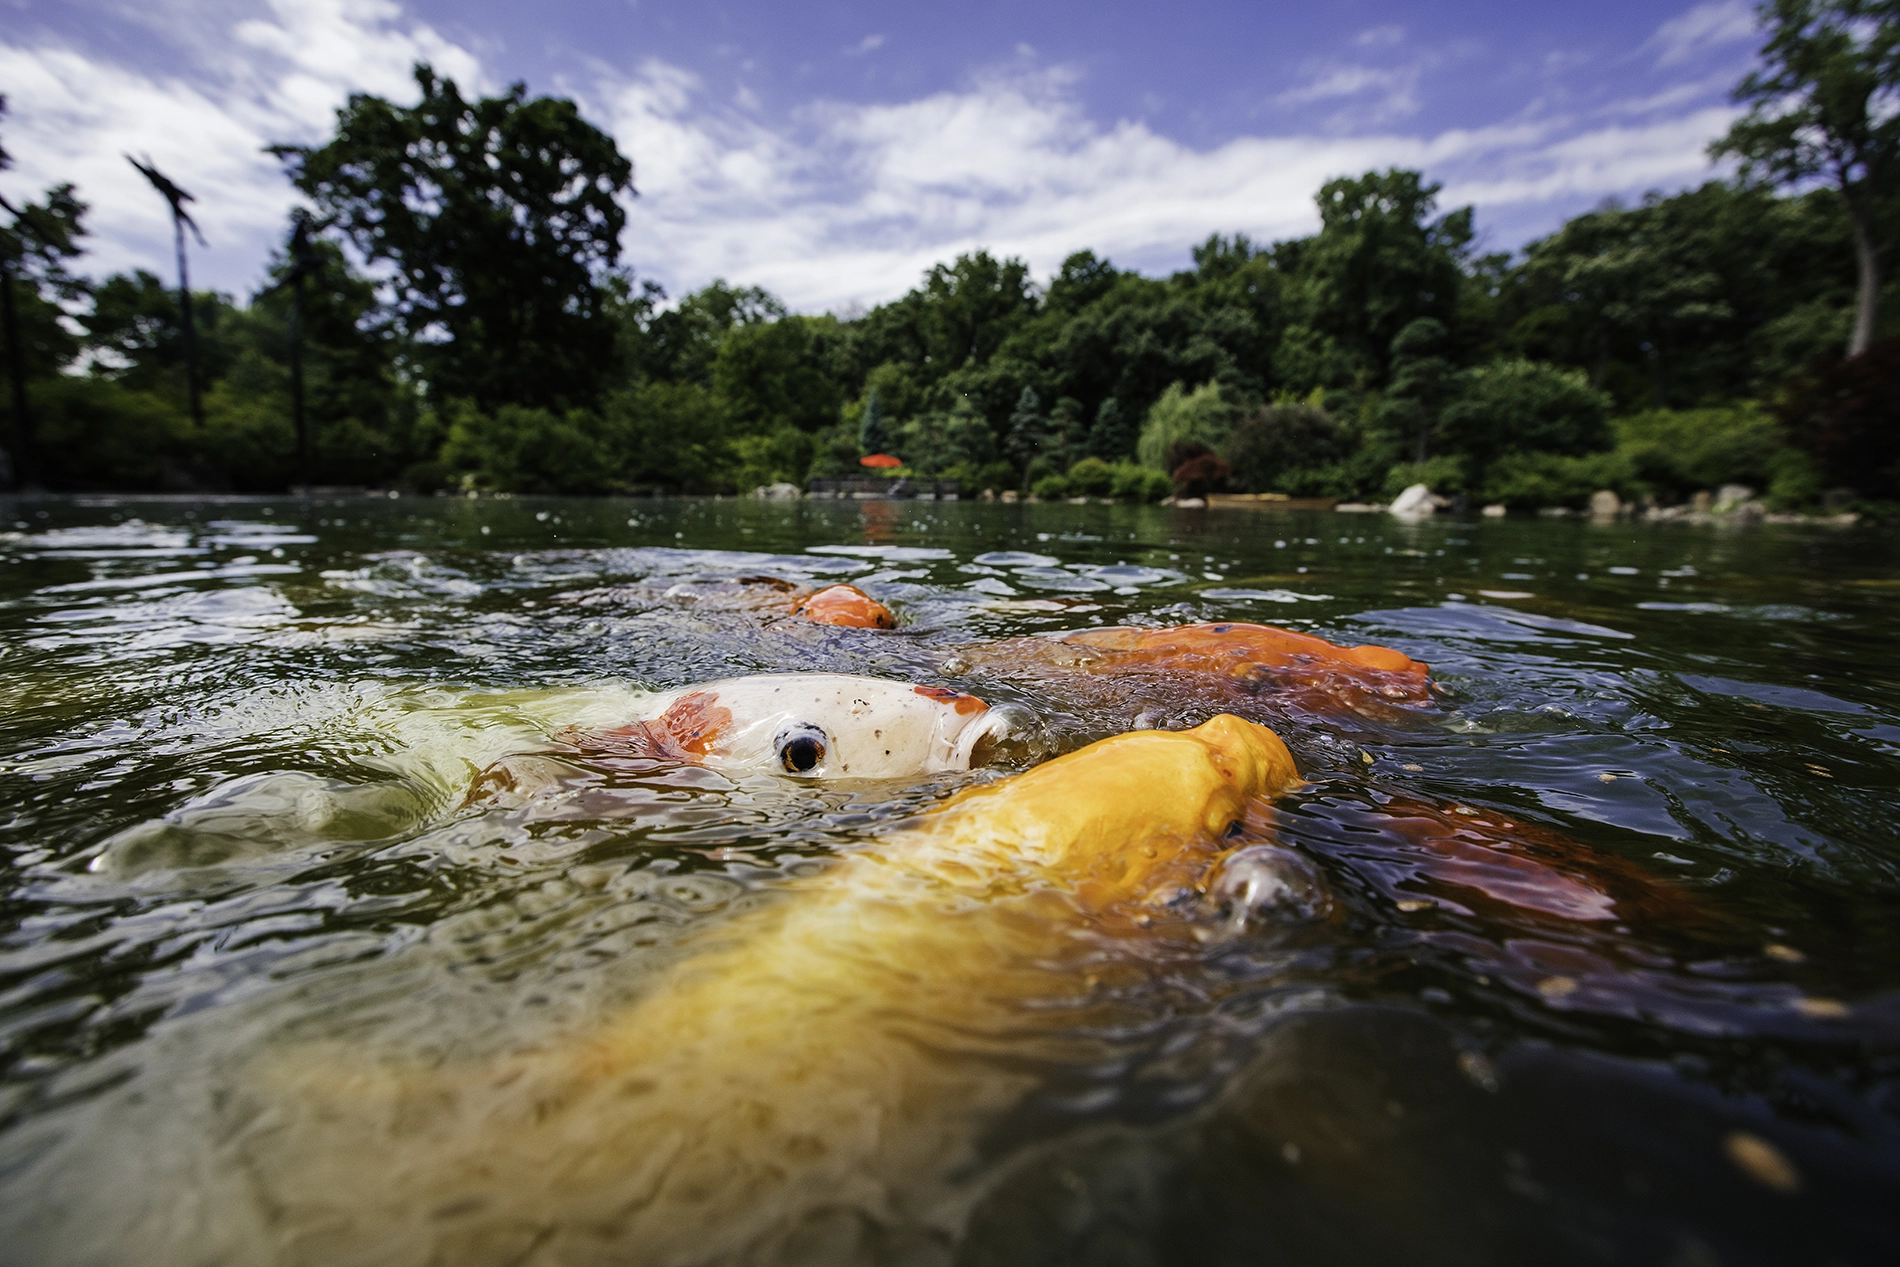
x,y
812,725
821,1060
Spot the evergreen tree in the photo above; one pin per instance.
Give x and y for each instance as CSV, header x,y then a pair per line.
x,y
874,434
1028,431
1113,436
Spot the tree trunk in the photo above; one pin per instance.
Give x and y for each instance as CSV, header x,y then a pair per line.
x,y
1868,304
23,472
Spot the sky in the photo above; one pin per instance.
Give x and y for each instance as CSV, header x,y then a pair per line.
x,y
831,152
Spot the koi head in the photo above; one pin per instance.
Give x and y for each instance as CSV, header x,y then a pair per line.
x,y
822,725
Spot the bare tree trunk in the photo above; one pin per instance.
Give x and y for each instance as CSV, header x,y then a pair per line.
x,y
191,328
1868,304
23,471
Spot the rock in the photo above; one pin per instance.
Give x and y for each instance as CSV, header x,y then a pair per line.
x,y
1496,510
1699,504
1011,495
1191,503
1358,508
987,495
1557,512
1416,500
779,492
1751,510
1605,504
1730,496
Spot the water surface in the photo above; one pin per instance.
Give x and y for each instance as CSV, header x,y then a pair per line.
x,y
238,735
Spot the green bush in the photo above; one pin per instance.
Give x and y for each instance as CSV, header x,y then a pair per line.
x,y
520,450
1130,482
95,433
1441,474
1182,417
1523,407
1680,450
1050,488
1271,449
1091,477
1525,481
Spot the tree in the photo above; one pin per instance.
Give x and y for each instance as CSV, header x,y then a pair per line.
x,y
873,435
1826,104
181,220
35,246
1381,261
1028,431
501,221
1113,436
1421,380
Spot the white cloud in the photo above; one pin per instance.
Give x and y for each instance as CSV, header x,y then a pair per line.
x,y
831,205
1706,26
276,79
849,204
869,44
1380,37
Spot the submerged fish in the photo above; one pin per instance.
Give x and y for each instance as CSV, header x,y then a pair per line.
x,y
818,1068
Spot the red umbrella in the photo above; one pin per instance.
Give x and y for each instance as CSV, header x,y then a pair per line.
x,y
880,459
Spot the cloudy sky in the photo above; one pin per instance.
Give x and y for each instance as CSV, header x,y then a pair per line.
x,y
832,152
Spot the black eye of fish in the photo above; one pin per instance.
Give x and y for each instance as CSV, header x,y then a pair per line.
x,y
800,751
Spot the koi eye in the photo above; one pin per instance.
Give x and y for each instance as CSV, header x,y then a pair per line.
x,y
801,749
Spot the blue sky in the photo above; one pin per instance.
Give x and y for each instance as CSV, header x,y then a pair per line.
x,y
833,151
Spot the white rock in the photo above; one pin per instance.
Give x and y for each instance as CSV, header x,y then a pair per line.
x,y
1416,500
779,492
1729,496
1496,510
1605,504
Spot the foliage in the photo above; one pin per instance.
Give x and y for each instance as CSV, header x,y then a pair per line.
x,y
1826,103
1521,406
1846,414
499,220
1272,447
1524,480
873,435
1675,452
1202,416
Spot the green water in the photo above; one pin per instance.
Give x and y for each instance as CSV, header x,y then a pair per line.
x,y
237,736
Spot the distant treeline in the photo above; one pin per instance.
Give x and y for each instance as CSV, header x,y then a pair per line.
x,y
1654,349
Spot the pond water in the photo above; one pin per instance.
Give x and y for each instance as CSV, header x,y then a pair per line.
x,y
267,981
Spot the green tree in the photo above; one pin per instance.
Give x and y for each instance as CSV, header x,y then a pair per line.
x,y
1826,104
501,221
1421,383
1201,417
1113,436
1523,407
1028,433
37,242
1381,261
873,435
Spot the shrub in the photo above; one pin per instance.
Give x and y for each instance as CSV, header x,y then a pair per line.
x,y
1846,415
1680,450
1528,480
1198,417
1050,488
1524,406
1441,475
1270,447
1091,477
1131,482
95,433
1200,476
520,450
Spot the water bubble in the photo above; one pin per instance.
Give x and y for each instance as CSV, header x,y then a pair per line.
x,y
1266,885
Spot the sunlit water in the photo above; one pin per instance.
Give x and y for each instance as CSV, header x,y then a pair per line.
x,y
238,737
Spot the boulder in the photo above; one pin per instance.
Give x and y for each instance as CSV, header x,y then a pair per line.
x,y
779,492
1416,500
1496,510
1605,504
1731,496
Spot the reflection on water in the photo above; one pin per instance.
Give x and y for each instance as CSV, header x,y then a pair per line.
x,y
1590,957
